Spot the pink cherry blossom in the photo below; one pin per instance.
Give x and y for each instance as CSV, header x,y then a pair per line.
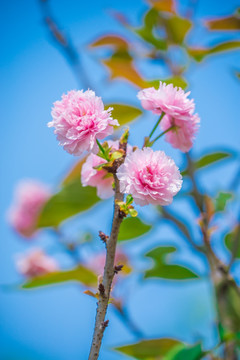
x,y
168,99
150,176
100,179
79,119
36,263
30,197
182,136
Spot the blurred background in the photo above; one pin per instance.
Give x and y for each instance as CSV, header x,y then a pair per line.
x,y
57,322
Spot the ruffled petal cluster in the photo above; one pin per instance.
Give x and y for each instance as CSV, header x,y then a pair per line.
x,y
79,119
36,263
30,197
183,134
179,110
100,179
150,177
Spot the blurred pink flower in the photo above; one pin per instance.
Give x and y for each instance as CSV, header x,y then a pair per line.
x,y
183,135
97,262
150,177
30,197
172,100
79,119
100,179
36,263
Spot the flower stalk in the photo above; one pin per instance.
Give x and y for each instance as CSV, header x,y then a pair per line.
x,y
156,125
173,127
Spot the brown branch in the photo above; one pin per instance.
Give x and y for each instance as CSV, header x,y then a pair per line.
x,y
107,276
220,275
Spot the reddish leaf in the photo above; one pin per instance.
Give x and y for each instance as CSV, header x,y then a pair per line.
x,y
121,67
227,23
163,5
200,53
111,40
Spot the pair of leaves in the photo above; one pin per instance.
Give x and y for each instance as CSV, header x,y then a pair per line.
x,y
209,159
80,274
162,349
162,269
121,63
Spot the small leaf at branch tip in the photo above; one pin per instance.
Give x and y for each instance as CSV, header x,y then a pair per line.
x,y
90,293
124,137
133,212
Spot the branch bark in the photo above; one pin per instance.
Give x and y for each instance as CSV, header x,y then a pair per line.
x,y
107,276
223,282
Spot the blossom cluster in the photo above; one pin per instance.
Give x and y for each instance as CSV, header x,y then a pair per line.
x,y
149,177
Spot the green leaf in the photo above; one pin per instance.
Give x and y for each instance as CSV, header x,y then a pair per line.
x,y
232,241
209,159
124,113
175,80
149,349
70,200
79,274
74,172
177,28
200,53
221,201
146,31
132,228
161,268
184,352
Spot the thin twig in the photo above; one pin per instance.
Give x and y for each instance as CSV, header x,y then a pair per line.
x,y
129,323
65,45
181,226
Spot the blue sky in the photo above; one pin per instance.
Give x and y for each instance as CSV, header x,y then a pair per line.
x,y
57,323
